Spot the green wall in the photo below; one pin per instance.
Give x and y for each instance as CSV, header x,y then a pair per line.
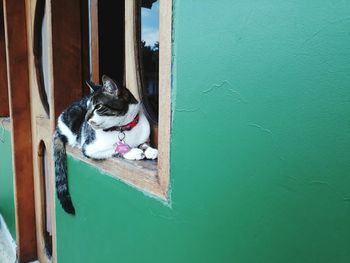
x,y
260,149
7,203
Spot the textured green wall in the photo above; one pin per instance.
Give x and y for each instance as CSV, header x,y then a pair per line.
x,y
260,151
7,203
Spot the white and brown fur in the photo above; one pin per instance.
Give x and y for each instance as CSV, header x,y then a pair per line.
x,y
83,125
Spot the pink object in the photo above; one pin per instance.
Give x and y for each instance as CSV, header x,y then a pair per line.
x,y
122,148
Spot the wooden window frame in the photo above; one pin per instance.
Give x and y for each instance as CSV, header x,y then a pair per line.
x,y
32,124
65,59
17,56
148,176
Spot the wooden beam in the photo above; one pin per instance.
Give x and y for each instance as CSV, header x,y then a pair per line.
x,y
94,57
4,99
66,53
85,45
132,78
19,97
165,29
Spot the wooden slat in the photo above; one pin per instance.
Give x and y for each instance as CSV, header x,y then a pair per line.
x,y
95,66
66,52
85,45
165,24
41,129
139,174
4,101
132,79
19,97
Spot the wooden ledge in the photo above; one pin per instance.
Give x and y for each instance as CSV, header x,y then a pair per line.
x,y
140,174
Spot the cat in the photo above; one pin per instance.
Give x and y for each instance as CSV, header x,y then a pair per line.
x,y
108,122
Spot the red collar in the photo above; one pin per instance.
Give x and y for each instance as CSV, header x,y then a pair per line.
x,y
126,127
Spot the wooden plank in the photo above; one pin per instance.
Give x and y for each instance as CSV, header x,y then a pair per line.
x,y
165,20
66,52
94,57
42,132
34,31
133,81
19,98
132,78
4,101
68,69
140,174
85,45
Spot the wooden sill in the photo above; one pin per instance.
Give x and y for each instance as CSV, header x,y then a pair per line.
x,y
140,174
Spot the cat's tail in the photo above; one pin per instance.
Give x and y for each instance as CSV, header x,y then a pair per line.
x,y
61,172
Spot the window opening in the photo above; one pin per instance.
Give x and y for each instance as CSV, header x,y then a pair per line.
x,y
110,39
115,51
148,51
40,50
46,201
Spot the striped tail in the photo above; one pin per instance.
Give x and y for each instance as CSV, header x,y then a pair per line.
x,y
61,172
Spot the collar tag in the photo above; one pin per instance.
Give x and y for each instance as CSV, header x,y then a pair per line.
x,y
121,147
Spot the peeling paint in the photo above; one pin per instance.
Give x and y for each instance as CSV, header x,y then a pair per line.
x,y
227,85
260,127
332,23
187,109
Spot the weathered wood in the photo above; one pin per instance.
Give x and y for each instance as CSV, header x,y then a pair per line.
x,y
4,100
19,97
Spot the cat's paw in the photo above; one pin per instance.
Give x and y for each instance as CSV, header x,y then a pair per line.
x,y
151,153
134,154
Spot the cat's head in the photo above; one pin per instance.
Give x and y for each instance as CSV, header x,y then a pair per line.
x,y
110,105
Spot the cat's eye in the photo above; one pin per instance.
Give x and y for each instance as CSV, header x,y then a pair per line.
x,y
98,107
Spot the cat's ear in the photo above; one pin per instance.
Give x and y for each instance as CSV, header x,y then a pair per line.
x,y
110,86
93,87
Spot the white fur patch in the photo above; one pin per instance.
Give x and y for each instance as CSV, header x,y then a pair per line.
x,y
103,145
72,139
134,154
151,153
105,122
88,103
